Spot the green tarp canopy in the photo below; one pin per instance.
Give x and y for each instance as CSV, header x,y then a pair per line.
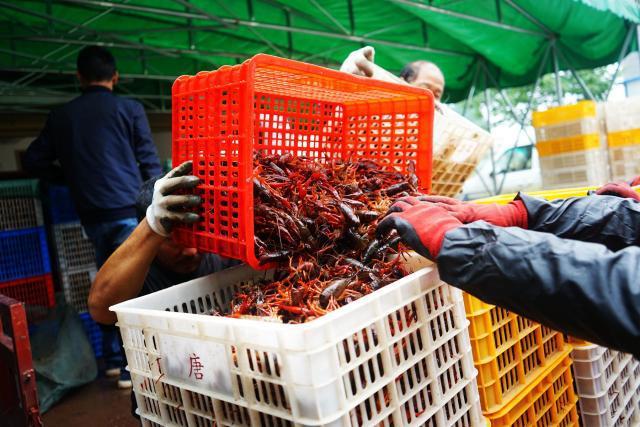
x,y
156,40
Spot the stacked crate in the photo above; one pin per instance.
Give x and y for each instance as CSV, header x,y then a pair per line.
x,y
571,144
623,137
25,270
75,257
524,368
608,385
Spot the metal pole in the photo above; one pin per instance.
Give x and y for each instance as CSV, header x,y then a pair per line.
x,y
472,91
556,70
583,86
524,117
623,52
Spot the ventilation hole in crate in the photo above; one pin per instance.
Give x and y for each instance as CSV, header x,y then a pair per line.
x,y
270,394
201,421
263,363
435,299
502,335
233,414
499,315
508,378
171,393
531,362
524,324
448,351
357,345
146,385
266,420
551,346
418,405
407,347
176,415
459,402
452,376
200,402
363,375
371,408
151,406
413,378
441,325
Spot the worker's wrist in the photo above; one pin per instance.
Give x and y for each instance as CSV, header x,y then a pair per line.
x,y
151,233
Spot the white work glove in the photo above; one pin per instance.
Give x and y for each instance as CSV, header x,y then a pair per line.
x,y
359,62
166,207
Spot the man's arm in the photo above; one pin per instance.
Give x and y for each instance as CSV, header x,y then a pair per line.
x,y
609,220
145,149
41,154
580,288
122,276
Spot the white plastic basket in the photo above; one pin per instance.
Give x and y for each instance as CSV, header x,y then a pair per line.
x,y
399,356
608,385
622,114
625,162
458,146
575,169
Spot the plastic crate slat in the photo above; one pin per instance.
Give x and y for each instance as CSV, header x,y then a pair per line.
x,y
23,253
33,291
94,333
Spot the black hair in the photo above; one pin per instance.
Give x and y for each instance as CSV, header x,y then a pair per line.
x,y
410,71
145,197
96,64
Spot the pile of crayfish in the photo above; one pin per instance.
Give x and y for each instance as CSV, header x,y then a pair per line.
x,y
316,221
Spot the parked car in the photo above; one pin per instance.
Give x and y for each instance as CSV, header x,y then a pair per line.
x,y
517,169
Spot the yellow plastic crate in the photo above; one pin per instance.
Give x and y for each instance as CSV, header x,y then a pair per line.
x,y
548,401
623,138
509,351
564,193
568,144
564,113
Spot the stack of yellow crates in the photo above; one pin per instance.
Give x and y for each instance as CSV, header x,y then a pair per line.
x,y
571,145
623,136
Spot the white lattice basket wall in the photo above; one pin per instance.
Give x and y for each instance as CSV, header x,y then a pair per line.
x,y
399,356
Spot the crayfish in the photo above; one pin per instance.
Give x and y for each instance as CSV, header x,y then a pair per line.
x,y
317,219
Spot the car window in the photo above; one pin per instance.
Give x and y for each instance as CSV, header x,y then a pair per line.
x,y
518,158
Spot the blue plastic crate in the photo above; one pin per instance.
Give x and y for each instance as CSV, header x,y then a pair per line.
x,y
93,333
60,205
23,253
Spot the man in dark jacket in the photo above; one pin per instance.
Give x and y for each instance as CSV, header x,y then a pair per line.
x,y
105,151
573,265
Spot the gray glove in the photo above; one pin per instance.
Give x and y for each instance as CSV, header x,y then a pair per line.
x,y
167,207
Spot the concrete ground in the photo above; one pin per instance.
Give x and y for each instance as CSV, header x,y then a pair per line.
x,y
98,404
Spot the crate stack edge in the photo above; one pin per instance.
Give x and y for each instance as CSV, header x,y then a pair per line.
x,y
608,386
571,144
25,268
623,137
75,257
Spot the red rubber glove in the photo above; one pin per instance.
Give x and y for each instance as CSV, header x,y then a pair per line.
x,y
619,189
513,214
422,227
635,181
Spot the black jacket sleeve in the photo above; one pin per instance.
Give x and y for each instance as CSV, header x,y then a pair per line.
x,y
579,288
610,220
41,155
145,149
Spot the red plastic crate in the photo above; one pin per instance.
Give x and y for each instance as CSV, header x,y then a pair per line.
x,y
221,118
33,291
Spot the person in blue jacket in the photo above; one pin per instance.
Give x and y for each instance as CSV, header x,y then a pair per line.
x,y
573,265
101,145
